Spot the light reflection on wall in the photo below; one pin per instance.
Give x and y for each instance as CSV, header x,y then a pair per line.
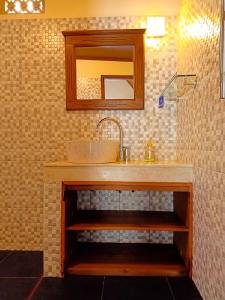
x,y
202,28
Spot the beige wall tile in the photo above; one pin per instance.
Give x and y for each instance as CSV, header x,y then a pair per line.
x,y
200,140
35,124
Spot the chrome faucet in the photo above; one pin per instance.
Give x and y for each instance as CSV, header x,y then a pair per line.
x,y
120,130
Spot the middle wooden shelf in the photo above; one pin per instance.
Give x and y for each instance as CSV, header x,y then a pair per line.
x,y
127,220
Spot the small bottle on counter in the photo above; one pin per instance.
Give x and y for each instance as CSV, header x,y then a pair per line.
x,y
149,152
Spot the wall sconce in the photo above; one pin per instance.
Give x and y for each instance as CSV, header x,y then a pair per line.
x,y
155,27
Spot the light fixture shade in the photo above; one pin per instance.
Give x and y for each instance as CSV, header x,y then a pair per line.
x,y
155,26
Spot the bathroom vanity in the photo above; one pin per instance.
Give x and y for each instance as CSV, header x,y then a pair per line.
x,y
144,259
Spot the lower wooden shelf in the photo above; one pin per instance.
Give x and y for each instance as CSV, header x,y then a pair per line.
x,y
126,259
127,220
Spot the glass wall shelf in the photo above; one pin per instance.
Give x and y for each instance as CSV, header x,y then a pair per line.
x,y
178,86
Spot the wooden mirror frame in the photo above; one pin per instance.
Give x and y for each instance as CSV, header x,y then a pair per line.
x,y
118,37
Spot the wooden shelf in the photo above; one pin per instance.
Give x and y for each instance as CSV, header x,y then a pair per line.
x,y
126,259
127,220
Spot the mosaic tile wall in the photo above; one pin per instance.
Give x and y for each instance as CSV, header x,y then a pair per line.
x,y
201,141
35,125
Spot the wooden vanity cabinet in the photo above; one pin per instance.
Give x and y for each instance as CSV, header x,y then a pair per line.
x,y
132,259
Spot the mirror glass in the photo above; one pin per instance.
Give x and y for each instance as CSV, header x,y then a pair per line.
x,y
104,72
117,87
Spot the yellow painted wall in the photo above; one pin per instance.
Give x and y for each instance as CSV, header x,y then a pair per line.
x,y
102,8
95,68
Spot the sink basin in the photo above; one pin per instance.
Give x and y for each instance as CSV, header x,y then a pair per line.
x,y
85,151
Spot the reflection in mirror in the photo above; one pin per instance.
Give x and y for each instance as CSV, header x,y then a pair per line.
x,y
117,87
91,65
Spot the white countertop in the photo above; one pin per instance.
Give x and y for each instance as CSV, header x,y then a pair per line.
x,y
133,171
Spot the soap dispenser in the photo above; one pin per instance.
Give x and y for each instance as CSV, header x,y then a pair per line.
x,y
149,152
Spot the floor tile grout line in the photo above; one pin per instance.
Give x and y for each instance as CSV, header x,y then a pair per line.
x,y
103,286
170,288
4,258
35,288
19,277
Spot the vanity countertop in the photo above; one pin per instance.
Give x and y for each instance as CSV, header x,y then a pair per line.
x,y
132,163
133,171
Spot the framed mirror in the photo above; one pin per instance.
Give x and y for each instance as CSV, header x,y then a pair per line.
x,y
104,69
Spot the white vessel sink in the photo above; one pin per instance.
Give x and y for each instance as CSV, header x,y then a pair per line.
x,y
85,151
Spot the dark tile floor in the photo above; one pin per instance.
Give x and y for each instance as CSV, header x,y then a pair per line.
x,y
21,279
